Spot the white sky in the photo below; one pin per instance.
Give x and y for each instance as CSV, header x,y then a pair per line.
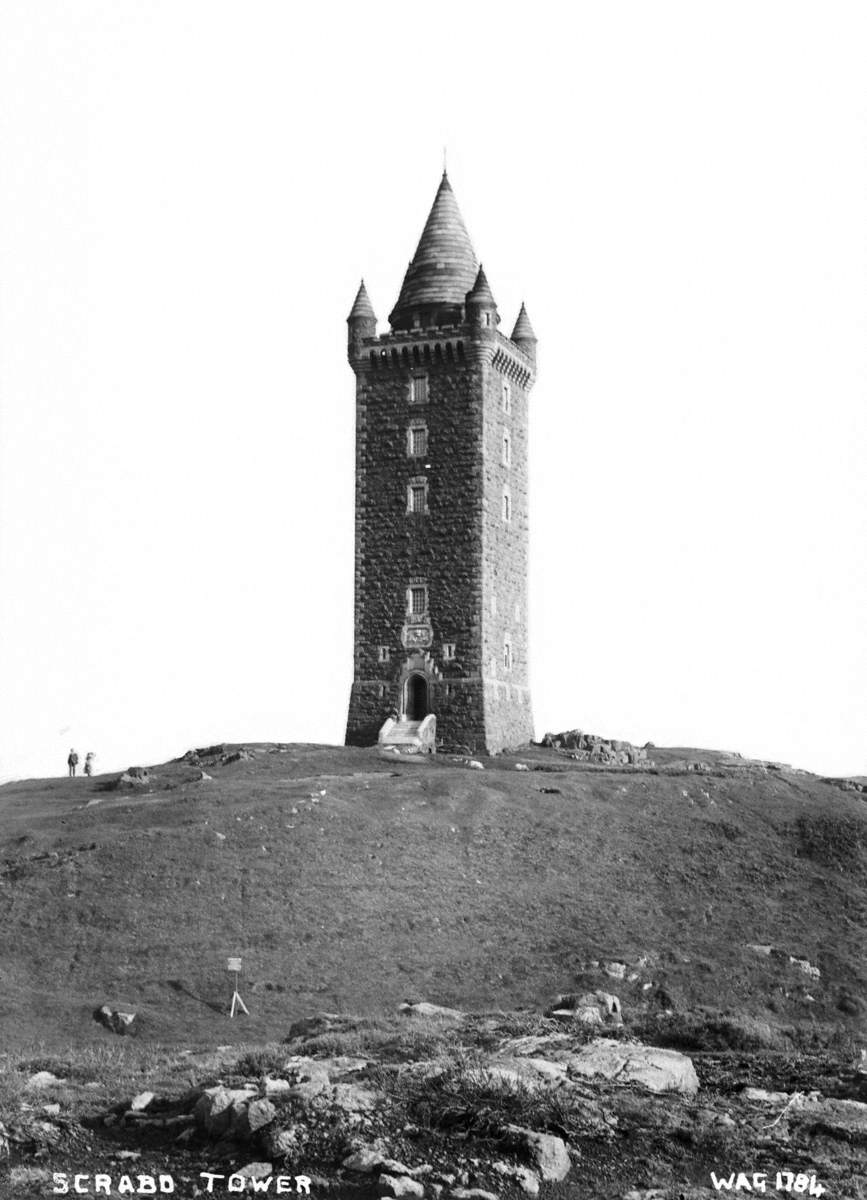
x,y
190,192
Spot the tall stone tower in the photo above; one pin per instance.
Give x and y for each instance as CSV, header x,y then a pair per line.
x,y
441,531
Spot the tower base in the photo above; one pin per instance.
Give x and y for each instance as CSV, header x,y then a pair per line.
x,y
473,716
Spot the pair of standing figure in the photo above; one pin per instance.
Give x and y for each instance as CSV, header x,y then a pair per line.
x,y
72,762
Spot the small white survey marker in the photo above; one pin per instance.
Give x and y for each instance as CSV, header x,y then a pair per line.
x,y
233,966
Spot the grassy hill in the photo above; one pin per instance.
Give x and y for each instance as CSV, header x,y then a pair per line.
x,y
349,883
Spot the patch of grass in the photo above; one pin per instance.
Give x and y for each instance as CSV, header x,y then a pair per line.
x,y
396,1039
458,1095
834,841
264,1060
703,1031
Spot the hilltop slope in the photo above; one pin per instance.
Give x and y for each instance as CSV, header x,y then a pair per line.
x,y
351,883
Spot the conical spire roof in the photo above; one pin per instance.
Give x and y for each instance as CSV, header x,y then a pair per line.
x,y
523,331
444,266
481,292
362,306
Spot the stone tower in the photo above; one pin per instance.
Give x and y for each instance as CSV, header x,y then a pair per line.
x,y
441,532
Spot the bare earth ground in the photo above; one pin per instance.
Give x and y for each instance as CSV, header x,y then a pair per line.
x,y
349,884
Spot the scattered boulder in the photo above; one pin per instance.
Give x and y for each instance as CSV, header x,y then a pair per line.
x,y
26,1178
233,756
468,1193
650,1067
125,1024
400,1185
354,1099
134,778
140,1102
533,1074
306,1077
216,1110
527,1180
587,1008
287,1142
316,1025
255,1170
369,1159
258,1114
546,1151
423,1009
42,1079
589,747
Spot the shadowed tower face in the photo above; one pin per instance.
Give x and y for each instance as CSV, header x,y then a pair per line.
x,y
441,501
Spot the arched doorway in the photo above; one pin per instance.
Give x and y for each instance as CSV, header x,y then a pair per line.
x,y
415,701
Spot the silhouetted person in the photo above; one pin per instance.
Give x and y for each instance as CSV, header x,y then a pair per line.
x,y
72,762
88,762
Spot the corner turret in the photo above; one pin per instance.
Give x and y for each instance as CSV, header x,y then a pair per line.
x,y
481,305
361,321
523,335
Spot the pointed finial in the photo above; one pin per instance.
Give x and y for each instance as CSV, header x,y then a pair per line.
x,y
444,162
362,308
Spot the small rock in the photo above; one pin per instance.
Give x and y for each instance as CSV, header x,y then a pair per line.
x,y
42,1079
283,1143
423,1009
307,1077
125,1024
468,1193
204,777
616,970
51,1110
400,1185
760,1096
259,1113
547,1152
353,1098
521,767
255,1170
140,1102
365,1160
27,1177
475,764
527,1180
218,1107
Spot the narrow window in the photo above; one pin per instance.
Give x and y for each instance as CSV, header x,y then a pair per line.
x,y
507,656
507,450
418,389
384,654
448,651
417,601
417,441
507,398
416,497
507,507
487,318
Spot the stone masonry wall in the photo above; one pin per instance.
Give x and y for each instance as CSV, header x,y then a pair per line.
x,y
505,548
459,548
440,548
